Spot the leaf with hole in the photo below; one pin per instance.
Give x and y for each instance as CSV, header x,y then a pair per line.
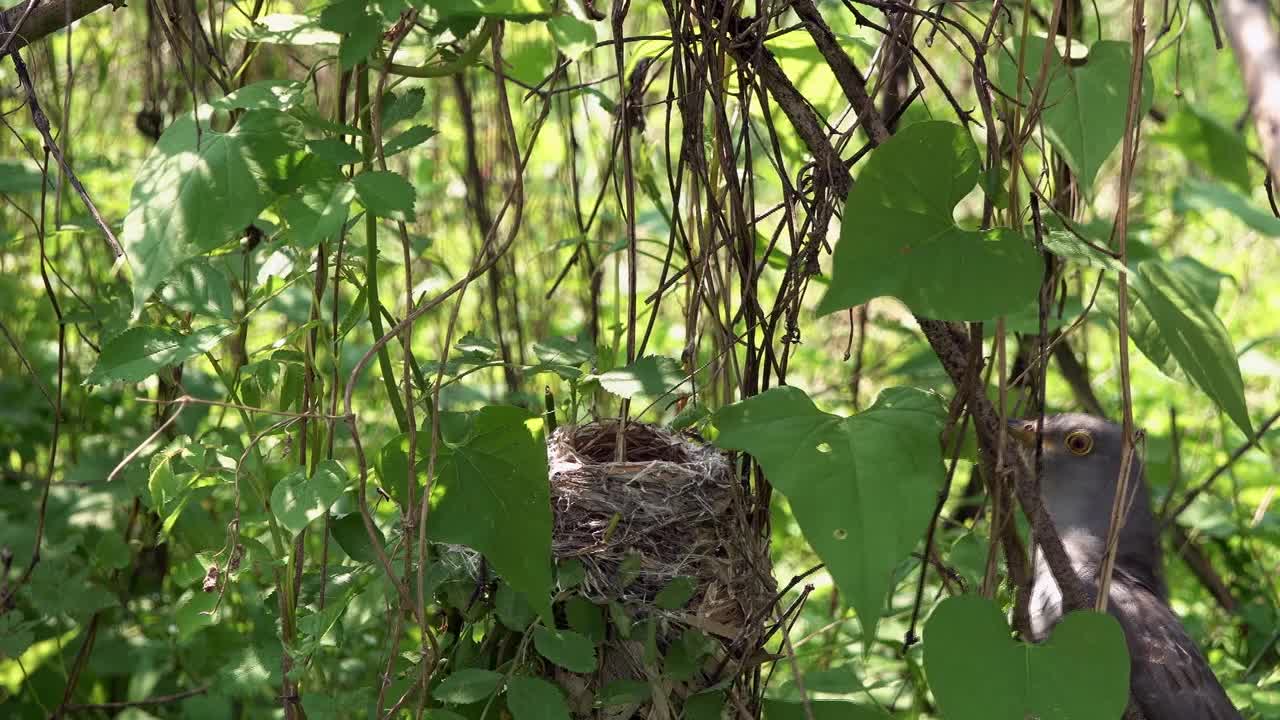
x,y
899,237
862,488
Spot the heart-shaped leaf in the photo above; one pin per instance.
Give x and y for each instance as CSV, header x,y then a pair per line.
x,y
898,237
495,499
1084,103
297,500
862,488
977,671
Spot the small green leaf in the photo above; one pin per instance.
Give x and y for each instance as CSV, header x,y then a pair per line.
x,y
1208,143
978,672
840,474
573,37
401,107
353,538
676,594
264,95
585,617
565,648
570,573
623,692
513,609
200,288
335,151
899,237
410,138
140,352
467,685
684,657
297,500
533,699
317,212
651,376
385,194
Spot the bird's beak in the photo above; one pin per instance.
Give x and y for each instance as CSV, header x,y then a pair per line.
x,y
1017,430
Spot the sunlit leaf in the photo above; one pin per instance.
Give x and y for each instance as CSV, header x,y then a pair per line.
x,y
898,237
297,500
840,475
385,193
139,352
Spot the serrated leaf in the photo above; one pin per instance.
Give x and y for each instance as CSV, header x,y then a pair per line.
x,y
297,500
977,671
566,648
386,194
317,212
199,188
492,476
840,474
401,107
140,352
200,288
410,138
534,699
264,95
467,685
899,237
676,594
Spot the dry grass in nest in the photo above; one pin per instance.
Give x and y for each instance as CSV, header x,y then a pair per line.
x,y
677,506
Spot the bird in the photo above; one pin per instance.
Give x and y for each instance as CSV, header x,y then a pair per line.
x,y
1168,676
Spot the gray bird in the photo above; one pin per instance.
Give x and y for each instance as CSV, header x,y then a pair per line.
x,y
1168,675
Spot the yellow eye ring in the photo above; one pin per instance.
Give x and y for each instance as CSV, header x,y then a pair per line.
x,y
1079,442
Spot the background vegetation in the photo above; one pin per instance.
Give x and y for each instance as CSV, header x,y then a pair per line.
x,y
225,488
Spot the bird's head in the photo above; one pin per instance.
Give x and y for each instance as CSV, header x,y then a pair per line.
x,y
1082,459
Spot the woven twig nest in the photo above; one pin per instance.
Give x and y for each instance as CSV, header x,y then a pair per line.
x,y
673,508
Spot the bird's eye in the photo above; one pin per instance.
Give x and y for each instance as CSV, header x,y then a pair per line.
x,y
1079,442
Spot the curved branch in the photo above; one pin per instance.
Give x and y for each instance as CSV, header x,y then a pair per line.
x,y
45,19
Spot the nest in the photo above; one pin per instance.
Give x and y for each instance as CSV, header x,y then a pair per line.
x,y
672,508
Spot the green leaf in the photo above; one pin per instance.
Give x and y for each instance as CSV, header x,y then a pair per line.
x,y
351,536
585,617
287,29
335,151
15,635
495,496
1208,143
297,500
317,212
684,656
1192,334
140,352
199,188
623,692
840,475
822,710
20,177
977,671
573,37
264,95
565,648
202,289
401,107
899,238
651,376
533,699
518,10
467,685
410,138
386,194
513,609
707,705
1201,196
1084,104
676,594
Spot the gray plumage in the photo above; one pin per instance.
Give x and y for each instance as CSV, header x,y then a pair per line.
x,y
1169,677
